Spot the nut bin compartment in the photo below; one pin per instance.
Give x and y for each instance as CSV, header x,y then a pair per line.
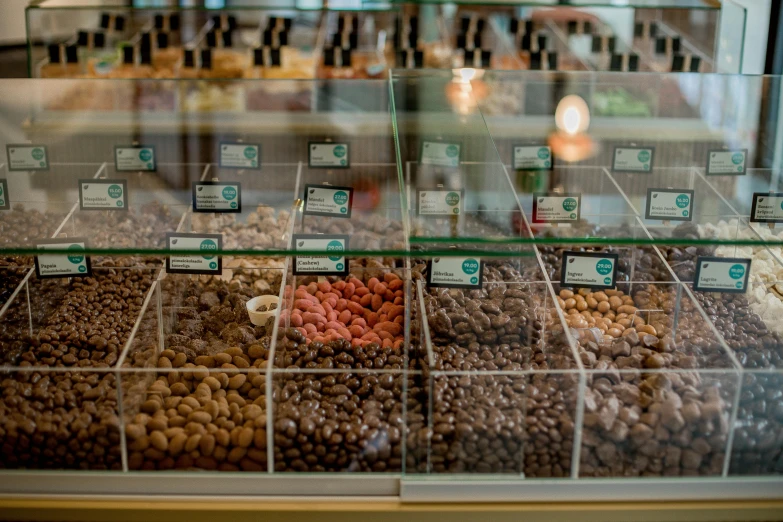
x,y
500,375
655,387
60,340
194,389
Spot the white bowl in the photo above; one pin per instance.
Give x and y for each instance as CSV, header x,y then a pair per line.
x,y
260,318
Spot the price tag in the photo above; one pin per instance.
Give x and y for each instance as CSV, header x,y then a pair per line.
x,y
326,200
669,204
589,269
455,272
633,159
27,157
216,196
439,202
721,274
333,264
239,156
103,194
533,157
75,263
328,155
135,159
727,162
556,207
440,153
5,199
207,263
766,208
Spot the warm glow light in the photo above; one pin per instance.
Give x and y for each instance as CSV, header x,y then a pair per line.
x,y
572,115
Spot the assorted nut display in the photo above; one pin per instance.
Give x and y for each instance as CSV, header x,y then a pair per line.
x,y
496,390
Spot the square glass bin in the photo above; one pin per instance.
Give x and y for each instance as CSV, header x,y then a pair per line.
x,y
338,420
498,401
265,220
197,418
338,386
59,346
60,418
757,446
198,332
660,394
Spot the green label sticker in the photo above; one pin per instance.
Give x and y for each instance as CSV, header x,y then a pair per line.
x,y
716,274
239,156
455,272
588,269
532,157
632,159
736,271
555,208
669,204
207,262
77,256
604,266
103,194
333,246
328,155
214,196
134,158
208,246
767,207
340,197
74,263
726,162
326,200
229,193
27,157
440,154
439,202
115,191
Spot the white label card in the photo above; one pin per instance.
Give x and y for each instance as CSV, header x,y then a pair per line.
x,y
455,272
328,155
207,262
727,162
27,157
439,202
103,194
556,208
722,274
669,204
135,159
74,263
533,157
334,264
329,201
633,159
239,156
216,196
5,199
589,269
767,208
439,153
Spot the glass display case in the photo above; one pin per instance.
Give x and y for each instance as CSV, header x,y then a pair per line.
x,y
72,39
424,286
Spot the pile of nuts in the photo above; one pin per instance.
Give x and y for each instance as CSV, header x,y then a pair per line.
x,y
206,415
352,310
